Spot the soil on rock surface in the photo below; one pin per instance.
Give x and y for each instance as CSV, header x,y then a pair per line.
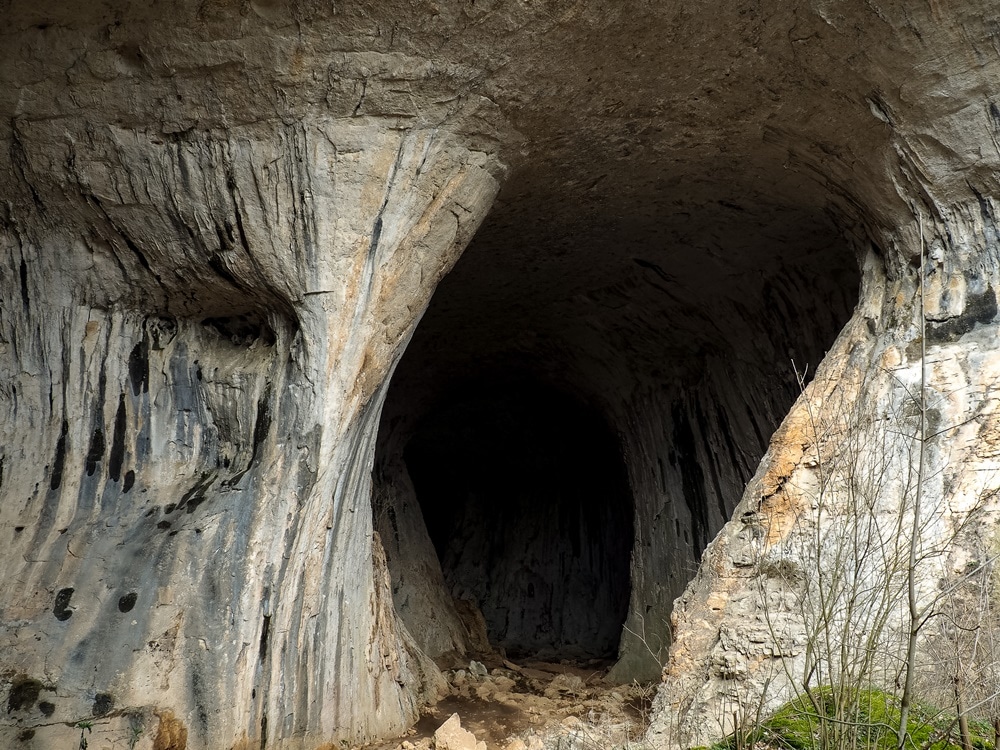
x,y
533,704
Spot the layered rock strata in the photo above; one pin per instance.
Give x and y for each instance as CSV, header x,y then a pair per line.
x,y
220,223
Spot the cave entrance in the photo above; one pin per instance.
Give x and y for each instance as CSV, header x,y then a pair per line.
x,y
678,308
526,500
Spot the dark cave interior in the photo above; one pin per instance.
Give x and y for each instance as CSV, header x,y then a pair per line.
x,y
587,395
526,501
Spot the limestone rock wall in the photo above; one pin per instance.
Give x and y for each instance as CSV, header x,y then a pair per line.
x,y
199,316
420,595
740,627
220,222
832,503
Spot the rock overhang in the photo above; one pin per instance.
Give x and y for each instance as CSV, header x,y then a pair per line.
x,y
644,149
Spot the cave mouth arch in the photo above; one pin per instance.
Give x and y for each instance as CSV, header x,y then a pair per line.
x,y
526,499
679,310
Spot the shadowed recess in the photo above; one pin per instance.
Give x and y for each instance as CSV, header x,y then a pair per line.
x,y
678,311
526,500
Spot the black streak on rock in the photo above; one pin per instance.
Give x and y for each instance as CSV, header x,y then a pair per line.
x,y
734,458
138,367
103,703
995,116
979,308
265,633
201,700
196,495
141,256
61,607
96,451
761,440
376,235
692,478
225,238
60,458
47,708
24,284
129,480
118,443
262,425
984,205
23,694
240,228
713,461
126,602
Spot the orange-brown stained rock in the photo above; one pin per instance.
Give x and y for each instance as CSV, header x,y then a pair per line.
x,y
171,734
788,447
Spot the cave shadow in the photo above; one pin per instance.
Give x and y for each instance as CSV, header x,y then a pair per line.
x,y
526,499
675,320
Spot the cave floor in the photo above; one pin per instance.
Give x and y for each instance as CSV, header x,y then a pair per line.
x,y
529,704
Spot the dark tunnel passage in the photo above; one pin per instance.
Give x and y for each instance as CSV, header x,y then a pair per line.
x,y
654,333
526,501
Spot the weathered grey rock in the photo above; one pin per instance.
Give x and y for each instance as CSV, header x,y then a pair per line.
x,y
221,221
836,492
190,393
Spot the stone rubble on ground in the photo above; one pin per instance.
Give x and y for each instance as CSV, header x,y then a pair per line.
x,y
557,708
543,706
564,683
451,736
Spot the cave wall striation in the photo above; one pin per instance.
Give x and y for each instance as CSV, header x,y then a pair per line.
x,y
199,316
811,572
221,221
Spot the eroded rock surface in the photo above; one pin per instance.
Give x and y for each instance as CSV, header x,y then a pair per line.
x,y
190,391
221,221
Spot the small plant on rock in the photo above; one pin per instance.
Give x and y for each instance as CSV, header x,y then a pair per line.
x,y
85,728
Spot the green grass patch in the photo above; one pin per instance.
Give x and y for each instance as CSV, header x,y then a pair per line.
x,y
830,719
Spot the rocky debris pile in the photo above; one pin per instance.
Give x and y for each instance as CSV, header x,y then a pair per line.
x,y
531,706
451,736
573,733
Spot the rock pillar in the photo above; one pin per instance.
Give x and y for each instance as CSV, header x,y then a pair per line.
x,y
196,332
890,449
